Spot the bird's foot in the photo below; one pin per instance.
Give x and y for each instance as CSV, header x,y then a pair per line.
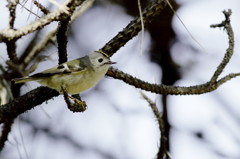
x,y
78,105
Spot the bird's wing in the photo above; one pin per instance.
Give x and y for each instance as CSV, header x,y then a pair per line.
x,y
65,68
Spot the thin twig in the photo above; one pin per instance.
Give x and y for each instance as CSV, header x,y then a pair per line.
x,y
81,9
11,44
62,7
38,48
142,25
31,12
31,45
41,7
163,139
12,9
189,33
229,52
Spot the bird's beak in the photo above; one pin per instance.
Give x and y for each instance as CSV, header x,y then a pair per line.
x,y
109,63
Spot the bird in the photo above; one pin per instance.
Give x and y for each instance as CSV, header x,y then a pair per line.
x,y
74,76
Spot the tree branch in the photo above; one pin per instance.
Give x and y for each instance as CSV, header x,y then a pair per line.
x,y
10,34
62,39
25,102
11,50
39,95
169,90
163,139
51,35
132,29
11,45
212,85
41,7
40,46
12,8
229,52
5,131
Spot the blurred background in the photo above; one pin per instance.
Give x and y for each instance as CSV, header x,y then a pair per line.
x,y
118,123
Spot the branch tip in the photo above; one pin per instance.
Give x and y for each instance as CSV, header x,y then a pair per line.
x,y
227,14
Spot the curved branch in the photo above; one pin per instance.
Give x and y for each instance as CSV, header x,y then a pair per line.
x,y
229,52
163,139
212,85
169,90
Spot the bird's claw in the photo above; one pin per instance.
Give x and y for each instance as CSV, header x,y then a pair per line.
x,y
77,106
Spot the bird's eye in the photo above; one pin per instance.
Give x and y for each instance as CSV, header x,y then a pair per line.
x,y
100,60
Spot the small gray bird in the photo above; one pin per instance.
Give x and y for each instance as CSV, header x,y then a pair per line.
x,y
74,76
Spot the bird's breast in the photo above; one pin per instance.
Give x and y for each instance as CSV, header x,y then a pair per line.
x,y
76,82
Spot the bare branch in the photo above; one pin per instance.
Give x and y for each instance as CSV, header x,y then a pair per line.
x,y
11,50
212,85
163,139
10,34
11,45
229,52
41,94
133,27
40,46
131,30
62,39
168,90
26,102
41,7
51,35
12,8
29,10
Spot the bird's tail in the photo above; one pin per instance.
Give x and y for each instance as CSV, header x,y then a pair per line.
x,y
23,80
